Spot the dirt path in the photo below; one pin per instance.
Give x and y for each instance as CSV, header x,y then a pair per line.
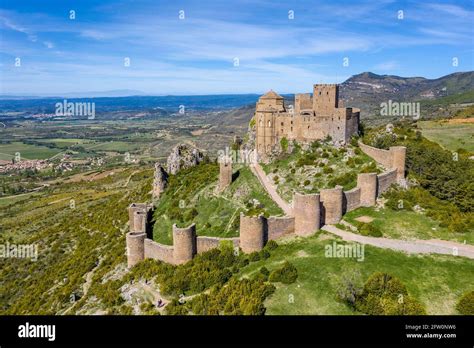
x,y
434,246
270,188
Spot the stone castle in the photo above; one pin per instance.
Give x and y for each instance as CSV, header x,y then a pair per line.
x,y
311,118
309,213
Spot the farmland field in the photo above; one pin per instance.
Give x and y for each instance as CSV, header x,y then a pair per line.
x,y
452,136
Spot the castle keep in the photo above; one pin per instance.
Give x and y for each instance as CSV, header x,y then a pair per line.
x,y
312,117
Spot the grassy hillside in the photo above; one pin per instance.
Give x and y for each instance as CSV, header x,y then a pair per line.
x,y
436,281
78,244
191,196
317,167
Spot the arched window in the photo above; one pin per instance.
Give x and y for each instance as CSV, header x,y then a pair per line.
x,y
269,123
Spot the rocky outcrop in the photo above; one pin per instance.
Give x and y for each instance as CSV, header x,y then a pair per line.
x,y
160,180
183,156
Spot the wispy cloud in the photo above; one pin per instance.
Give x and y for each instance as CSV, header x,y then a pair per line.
x,y
169,55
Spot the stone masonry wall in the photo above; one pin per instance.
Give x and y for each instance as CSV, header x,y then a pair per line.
x,y
207,243
385,180
278,227
351,200
157,251
381,156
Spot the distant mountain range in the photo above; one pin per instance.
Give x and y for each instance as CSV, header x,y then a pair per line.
x,y
367,90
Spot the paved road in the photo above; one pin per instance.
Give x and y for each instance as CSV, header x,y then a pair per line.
x,y
419,246
271,189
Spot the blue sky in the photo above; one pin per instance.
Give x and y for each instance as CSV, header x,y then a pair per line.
x,y
196,55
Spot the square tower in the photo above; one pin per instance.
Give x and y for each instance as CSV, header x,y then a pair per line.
x,y
325,99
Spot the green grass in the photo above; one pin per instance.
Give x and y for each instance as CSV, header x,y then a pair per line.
x,y
303,171
7,151
407,225
450,136
118,146
64,143
218,215
9,200
437,281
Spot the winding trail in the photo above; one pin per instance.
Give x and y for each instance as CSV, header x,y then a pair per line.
x,y
419,246
270,188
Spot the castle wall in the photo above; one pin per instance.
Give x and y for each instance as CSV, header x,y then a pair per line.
x,y
208,243
331,200
252,233
385,180
279,226
381,156
351,200
303,102
367,182
135,247
398,157
157,251
306,209
184,243
352,122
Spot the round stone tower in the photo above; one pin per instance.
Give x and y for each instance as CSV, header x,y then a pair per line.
x,y
138,216
252,233
399,154
184,243
331,205
367,182
135,247
307,213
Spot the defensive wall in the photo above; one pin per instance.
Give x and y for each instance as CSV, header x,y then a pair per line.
x,y
310,212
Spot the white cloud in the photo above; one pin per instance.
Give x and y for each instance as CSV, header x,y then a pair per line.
x,y
48,44
387,66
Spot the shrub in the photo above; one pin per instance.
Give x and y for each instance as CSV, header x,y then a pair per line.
x,y
284,144
255,256
328,170
346,180
306,182
264,254
349,289
368,229
466,303
286,275
384,294
271,245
